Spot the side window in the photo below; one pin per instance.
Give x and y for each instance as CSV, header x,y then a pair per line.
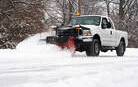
x,y
104,23
111,23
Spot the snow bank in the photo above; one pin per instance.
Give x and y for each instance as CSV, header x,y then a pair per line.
x,y
33,46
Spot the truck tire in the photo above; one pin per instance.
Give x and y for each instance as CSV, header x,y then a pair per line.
x,y
94,48
120,50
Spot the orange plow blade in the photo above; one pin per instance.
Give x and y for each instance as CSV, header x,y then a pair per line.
x,y
70,45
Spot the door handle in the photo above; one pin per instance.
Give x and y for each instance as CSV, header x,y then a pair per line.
x,y
111,32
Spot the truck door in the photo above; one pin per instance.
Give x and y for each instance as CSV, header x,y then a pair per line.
x,y
113,33
106,33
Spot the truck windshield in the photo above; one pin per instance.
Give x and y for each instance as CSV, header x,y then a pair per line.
x,y
85,20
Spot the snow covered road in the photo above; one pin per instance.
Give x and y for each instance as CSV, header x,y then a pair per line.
x,y
40,65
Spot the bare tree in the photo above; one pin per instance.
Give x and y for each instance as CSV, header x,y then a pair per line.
x,y
18,19
61,11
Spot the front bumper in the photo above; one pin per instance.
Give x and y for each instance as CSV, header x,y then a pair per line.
x,y
85,38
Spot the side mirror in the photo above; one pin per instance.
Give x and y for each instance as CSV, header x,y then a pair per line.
x,y
104,26
109,25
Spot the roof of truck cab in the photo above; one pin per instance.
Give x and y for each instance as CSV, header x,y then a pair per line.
x,y
92,15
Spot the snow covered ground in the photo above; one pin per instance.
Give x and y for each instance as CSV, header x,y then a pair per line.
x,y
35,64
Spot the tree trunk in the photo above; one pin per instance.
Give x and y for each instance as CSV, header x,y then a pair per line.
x,y
121,13
70,10
121,9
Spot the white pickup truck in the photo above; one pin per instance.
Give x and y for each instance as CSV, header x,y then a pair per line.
x,y
91,33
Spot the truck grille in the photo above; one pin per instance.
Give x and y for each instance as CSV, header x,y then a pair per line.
x,y
69,32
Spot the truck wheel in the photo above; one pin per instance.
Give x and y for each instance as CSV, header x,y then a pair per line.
x,y
94,48
120,50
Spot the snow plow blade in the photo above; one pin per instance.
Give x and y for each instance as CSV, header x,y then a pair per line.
x,y
63,42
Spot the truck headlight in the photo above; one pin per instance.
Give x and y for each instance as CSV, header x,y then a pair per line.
x,y
87,33
52,32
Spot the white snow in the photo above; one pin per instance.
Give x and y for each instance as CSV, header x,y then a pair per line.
x,y
35,64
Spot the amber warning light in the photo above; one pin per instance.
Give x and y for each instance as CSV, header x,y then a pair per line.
x,y
77,14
